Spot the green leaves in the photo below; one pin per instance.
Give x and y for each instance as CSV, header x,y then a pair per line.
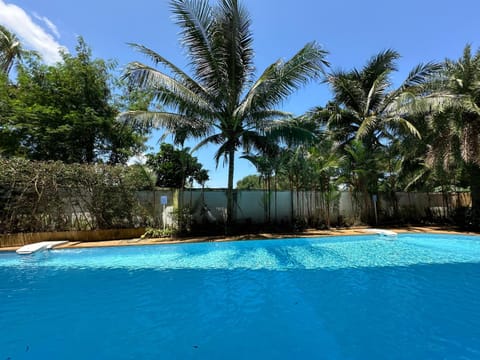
x,y
175,168
366,95
196,21
282,78
65,112
458,102
53,196
215,103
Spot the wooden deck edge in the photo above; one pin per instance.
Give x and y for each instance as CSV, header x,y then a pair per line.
x,y
10,240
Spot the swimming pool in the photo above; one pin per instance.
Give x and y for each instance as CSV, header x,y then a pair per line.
x,y
360,297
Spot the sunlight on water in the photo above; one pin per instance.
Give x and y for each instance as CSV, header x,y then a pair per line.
x,y
320,253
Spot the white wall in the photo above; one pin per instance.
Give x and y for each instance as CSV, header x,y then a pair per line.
x,y
252,205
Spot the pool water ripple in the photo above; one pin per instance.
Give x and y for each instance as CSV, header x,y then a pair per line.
x,y
365,297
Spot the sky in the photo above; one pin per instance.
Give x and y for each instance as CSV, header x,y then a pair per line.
x,y
351,31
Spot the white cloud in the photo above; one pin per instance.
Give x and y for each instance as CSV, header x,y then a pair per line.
x,y
137,160
33,36
49,23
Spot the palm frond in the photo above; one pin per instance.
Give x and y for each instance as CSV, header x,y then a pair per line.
x,y
396,121
290,133
404,103
348,91
197,24
167,89
255,140
235,48
366,126
376,93
180,75
11,50
433,103
466,104
417,176
421,81
222,151
420,74
383,62
261,119
281,79
216,139
167,120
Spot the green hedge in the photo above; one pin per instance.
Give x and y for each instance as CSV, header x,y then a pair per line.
x,y
53,196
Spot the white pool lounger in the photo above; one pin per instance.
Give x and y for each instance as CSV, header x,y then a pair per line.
x,y
44,245
381,232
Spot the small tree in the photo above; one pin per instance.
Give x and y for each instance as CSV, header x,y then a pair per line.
x,y
66,112
175,168
249,182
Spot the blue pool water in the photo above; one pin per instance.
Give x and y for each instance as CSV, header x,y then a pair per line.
x,y
363,297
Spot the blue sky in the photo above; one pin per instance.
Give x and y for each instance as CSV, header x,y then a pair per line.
x,y
352,31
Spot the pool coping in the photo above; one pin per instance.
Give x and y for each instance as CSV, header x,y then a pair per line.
x,y
261,236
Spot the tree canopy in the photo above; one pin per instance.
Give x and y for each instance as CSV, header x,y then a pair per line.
x,y
65,112
175,168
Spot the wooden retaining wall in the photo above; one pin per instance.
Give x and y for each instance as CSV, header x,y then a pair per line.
x,y
84,236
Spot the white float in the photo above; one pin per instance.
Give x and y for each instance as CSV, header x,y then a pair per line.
x,y
381,232
44,245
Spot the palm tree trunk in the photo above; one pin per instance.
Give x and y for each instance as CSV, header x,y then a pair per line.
x,y
269,190
276,193
231,168
328,193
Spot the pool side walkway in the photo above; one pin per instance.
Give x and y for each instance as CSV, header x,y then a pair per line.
x,y
261,236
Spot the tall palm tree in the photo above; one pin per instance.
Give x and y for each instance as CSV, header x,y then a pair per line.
x,y
221,103
11,50
457,123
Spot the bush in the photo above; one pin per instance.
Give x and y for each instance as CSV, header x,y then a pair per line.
x,y
152,233
53,196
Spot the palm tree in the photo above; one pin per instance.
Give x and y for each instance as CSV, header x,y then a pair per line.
x,y
457,123
368,109
325,164
367,106
359,166
222,103
11,50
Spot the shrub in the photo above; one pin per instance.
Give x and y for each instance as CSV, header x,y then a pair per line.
x,y
53,196
152,233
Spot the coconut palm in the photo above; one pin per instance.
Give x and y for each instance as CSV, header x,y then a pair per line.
x,y
457,123
11,50
367,106
368,109
221,103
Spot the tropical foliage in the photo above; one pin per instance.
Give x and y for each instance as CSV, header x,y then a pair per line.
x,y
65,112
373,136
456,124
222,103
11,50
